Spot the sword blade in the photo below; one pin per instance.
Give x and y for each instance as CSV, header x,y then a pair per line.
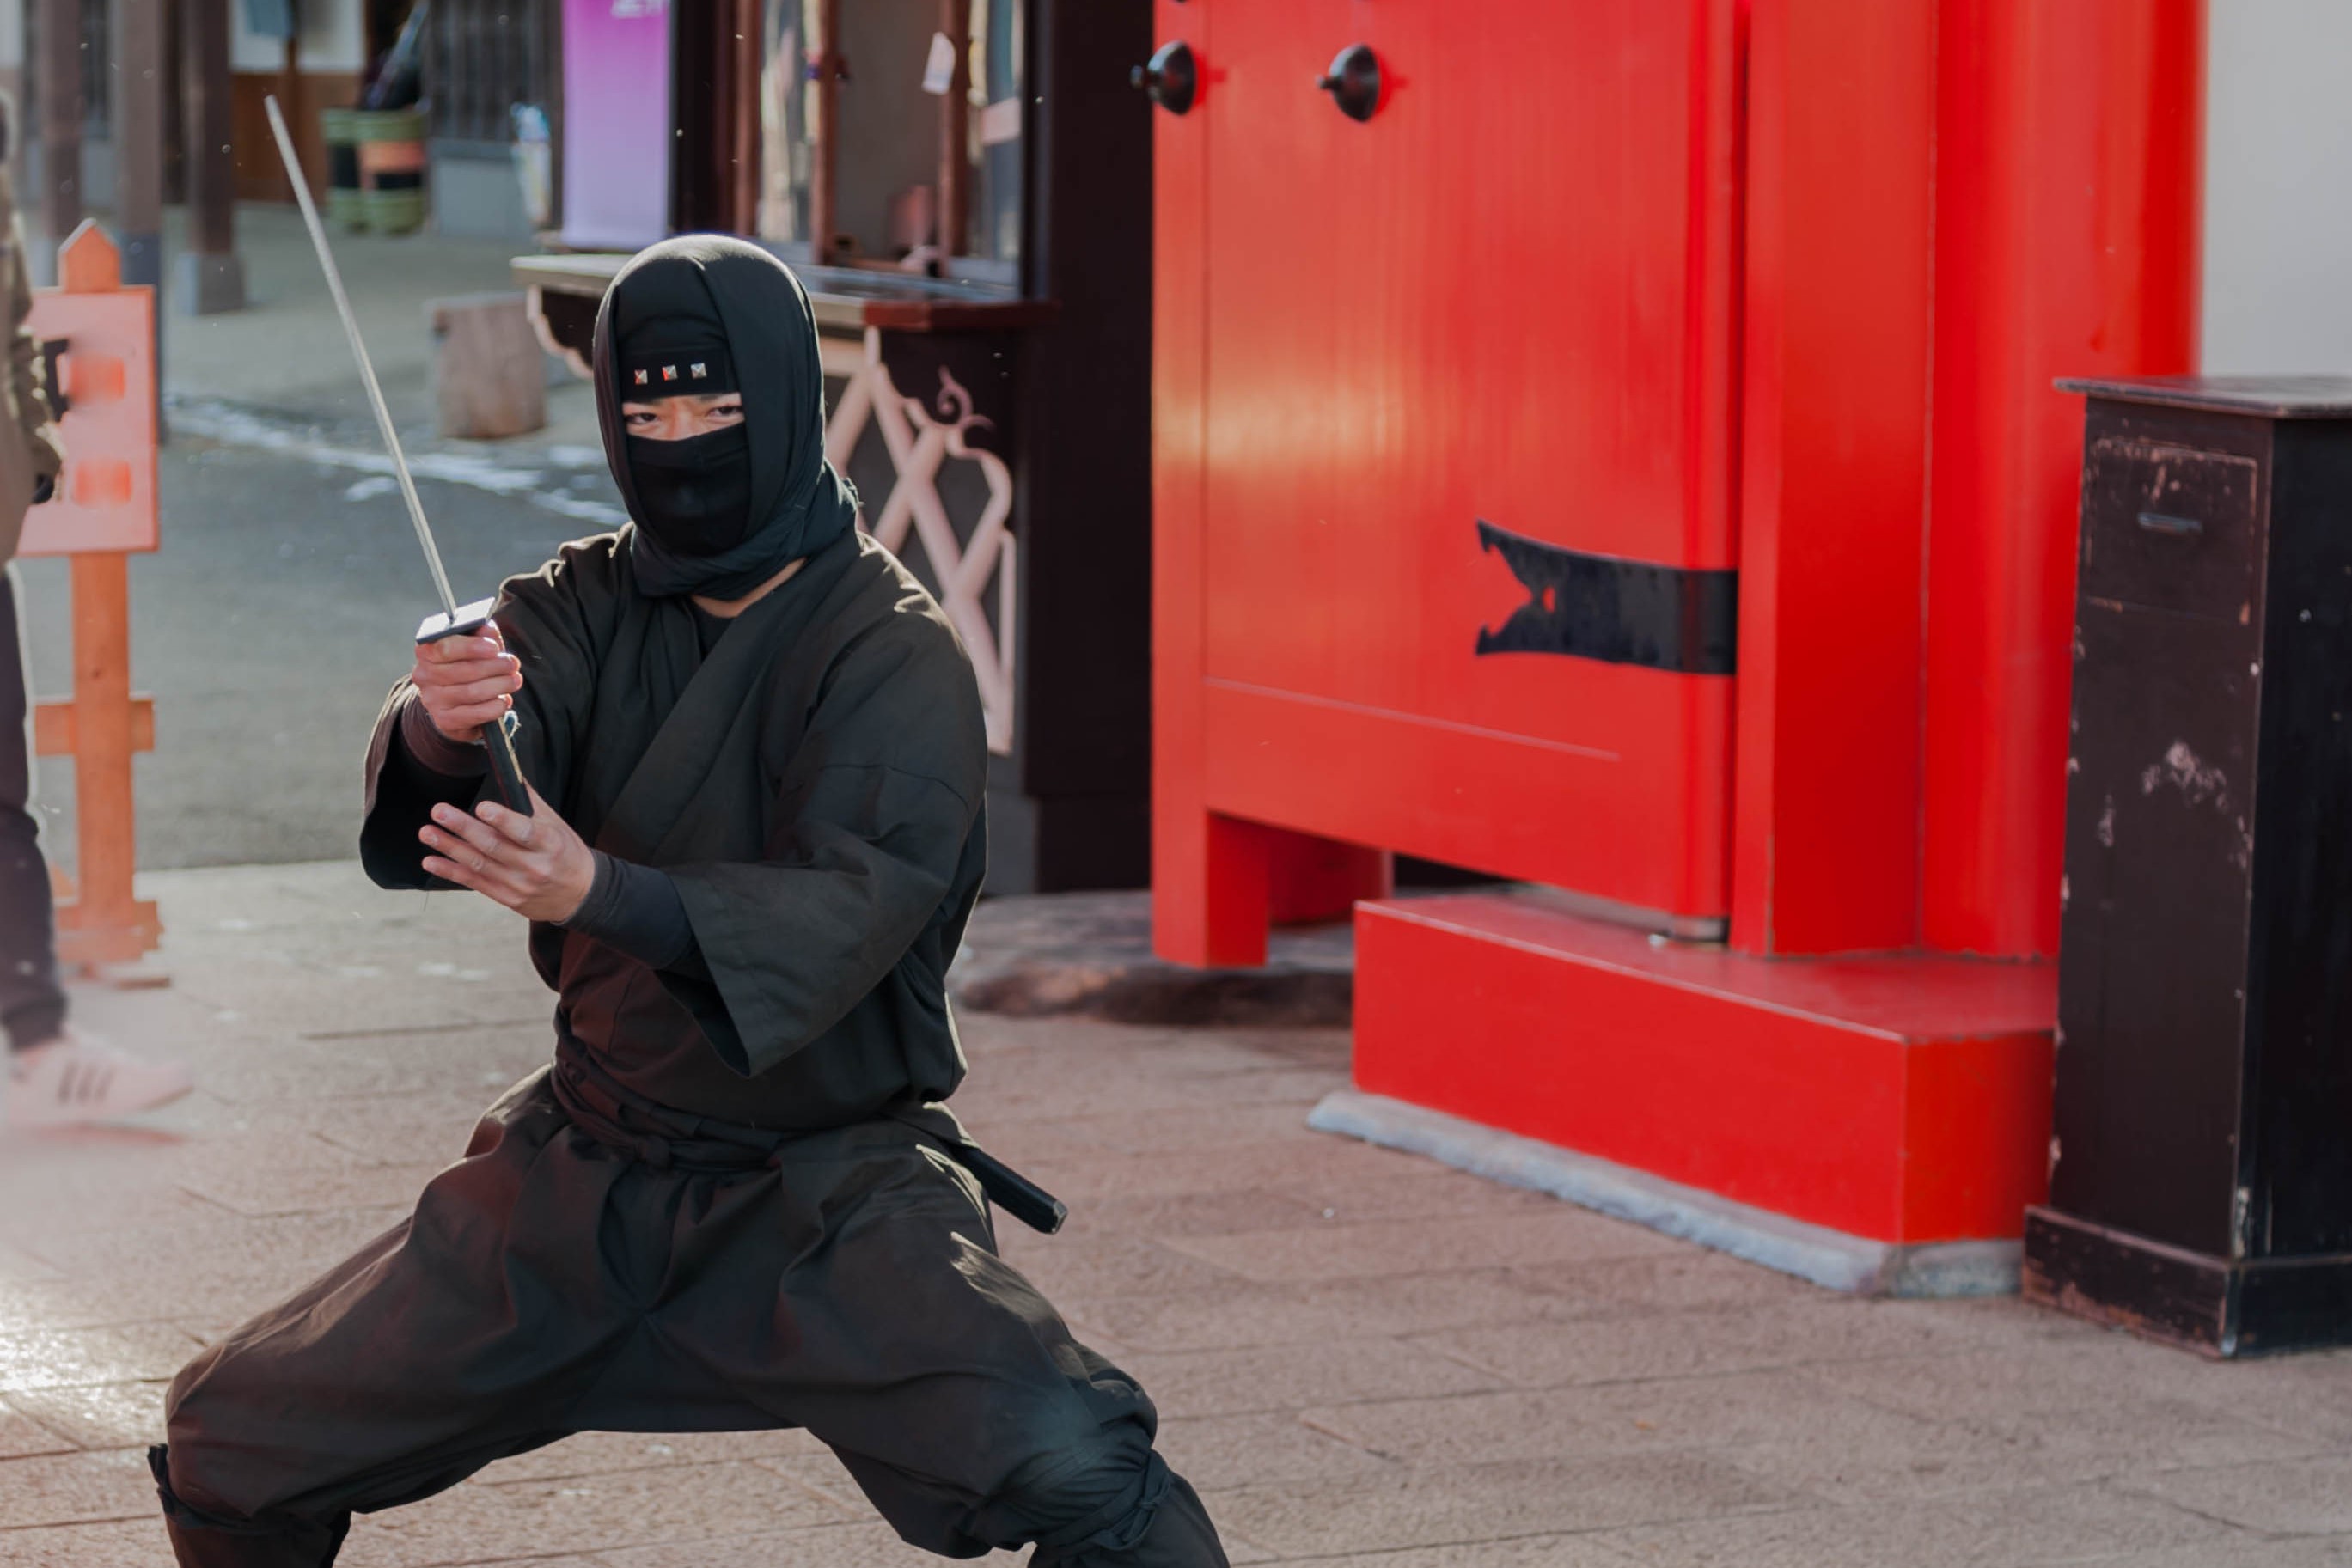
x,y
359,352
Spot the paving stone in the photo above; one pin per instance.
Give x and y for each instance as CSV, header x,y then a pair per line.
x,y
2002,1383
106,1416
832,1546
1528,1551
1719,1413
21,1436
600,1453
1430,1193
1685,1344
352,1185
1081,1172
1557,1234
33,1359
2005,1530
128,1544
1187,1214
67,1489
1233,1382
1218,1452
486,1519
1489,1502
1104,1267
479,1063
1683,1281
2247,1551
1247,1314
1203,1128
2295,1497
223,1266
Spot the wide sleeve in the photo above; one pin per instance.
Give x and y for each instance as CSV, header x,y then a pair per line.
x,y
551,619
402,790
872,823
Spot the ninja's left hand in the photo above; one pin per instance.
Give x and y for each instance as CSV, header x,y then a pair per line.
x,y
535,865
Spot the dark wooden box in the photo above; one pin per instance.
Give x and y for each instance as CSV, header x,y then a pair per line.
x,y
2201,1186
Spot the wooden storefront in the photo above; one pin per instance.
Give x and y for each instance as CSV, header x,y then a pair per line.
x,y
965,188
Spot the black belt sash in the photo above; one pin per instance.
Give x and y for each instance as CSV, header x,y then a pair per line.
x,y
654,1136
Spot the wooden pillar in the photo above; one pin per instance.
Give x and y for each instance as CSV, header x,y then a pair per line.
x,y
743,57
1833,447
955,131
58,30
139,64
826,68
211,275
2070,163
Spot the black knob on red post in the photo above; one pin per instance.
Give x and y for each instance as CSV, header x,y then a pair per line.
x,y
1171,78
1354,81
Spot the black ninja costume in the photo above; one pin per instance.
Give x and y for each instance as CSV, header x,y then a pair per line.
x,y
730,1201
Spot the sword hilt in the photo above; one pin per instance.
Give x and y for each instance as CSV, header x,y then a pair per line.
x,y
498,739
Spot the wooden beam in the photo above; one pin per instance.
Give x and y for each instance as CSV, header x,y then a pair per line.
x,y
826,66
955,130
205,92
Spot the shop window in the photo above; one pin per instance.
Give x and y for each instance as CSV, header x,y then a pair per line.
x,y
891,134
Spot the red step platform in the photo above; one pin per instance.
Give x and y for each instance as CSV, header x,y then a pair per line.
x,y
1901,1102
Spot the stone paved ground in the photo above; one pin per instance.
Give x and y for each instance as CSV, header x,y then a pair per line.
x,y
1363,1358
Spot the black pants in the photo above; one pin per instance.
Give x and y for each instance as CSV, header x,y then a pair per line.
x,y
32,1004
550,1282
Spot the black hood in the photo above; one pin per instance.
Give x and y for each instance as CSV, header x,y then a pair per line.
x,y
749,314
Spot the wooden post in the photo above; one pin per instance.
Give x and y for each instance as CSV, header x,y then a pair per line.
x,y
139,64
103,725
212,277
825,67
59,27
955,130
743,57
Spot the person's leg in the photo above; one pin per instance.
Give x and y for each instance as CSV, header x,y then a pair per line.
x,y
466,1333
55,1076
32,1003
861,1297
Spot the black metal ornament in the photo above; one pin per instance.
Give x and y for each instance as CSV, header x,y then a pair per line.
x,y
1354,81
1171,78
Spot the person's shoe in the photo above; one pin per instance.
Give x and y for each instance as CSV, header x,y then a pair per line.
x,y
75,1081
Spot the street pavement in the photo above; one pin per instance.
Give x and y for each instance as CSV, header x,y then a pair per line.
x,y
1361,1357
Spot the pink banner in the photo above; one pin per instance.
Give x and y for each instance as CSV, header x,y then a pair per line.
x,y
616,123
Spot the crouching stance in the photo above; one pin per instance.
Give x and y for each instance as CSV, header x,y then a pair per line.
x,y
733,1199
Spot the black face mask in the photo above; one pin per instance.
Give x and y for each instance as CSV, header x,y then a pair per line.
x,y
718,515
694,494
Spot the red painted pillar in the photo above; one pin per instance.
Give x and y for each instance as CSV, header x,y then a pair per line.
x,y
1833,467
2069,164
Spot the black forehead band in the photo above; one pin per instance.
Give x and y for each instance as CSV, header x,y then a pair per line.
x,y
702,371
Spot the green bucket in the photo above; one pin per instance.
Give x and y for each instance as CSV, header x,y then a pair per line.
x,y
397,212
390,152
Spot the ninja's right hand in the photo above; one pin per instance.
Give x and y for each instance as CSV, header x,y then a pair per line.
x,y
465,682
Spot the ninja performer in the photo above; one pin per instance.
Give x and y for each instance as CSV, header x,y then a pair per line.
x,y
732,1200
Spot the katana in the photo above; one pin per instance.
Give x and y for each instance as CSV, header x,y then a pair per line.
x,y
455,620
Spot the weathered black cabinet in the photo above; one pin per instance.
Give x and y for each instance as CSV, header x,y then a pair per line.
x,y
2201,1163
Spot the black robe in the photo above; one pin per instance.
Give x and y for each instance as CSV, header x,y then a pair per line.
x,y
696,1219
814,788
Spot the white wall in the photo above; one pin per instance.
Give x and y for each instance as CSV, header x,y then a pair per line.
x,y
2278,186
334,39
